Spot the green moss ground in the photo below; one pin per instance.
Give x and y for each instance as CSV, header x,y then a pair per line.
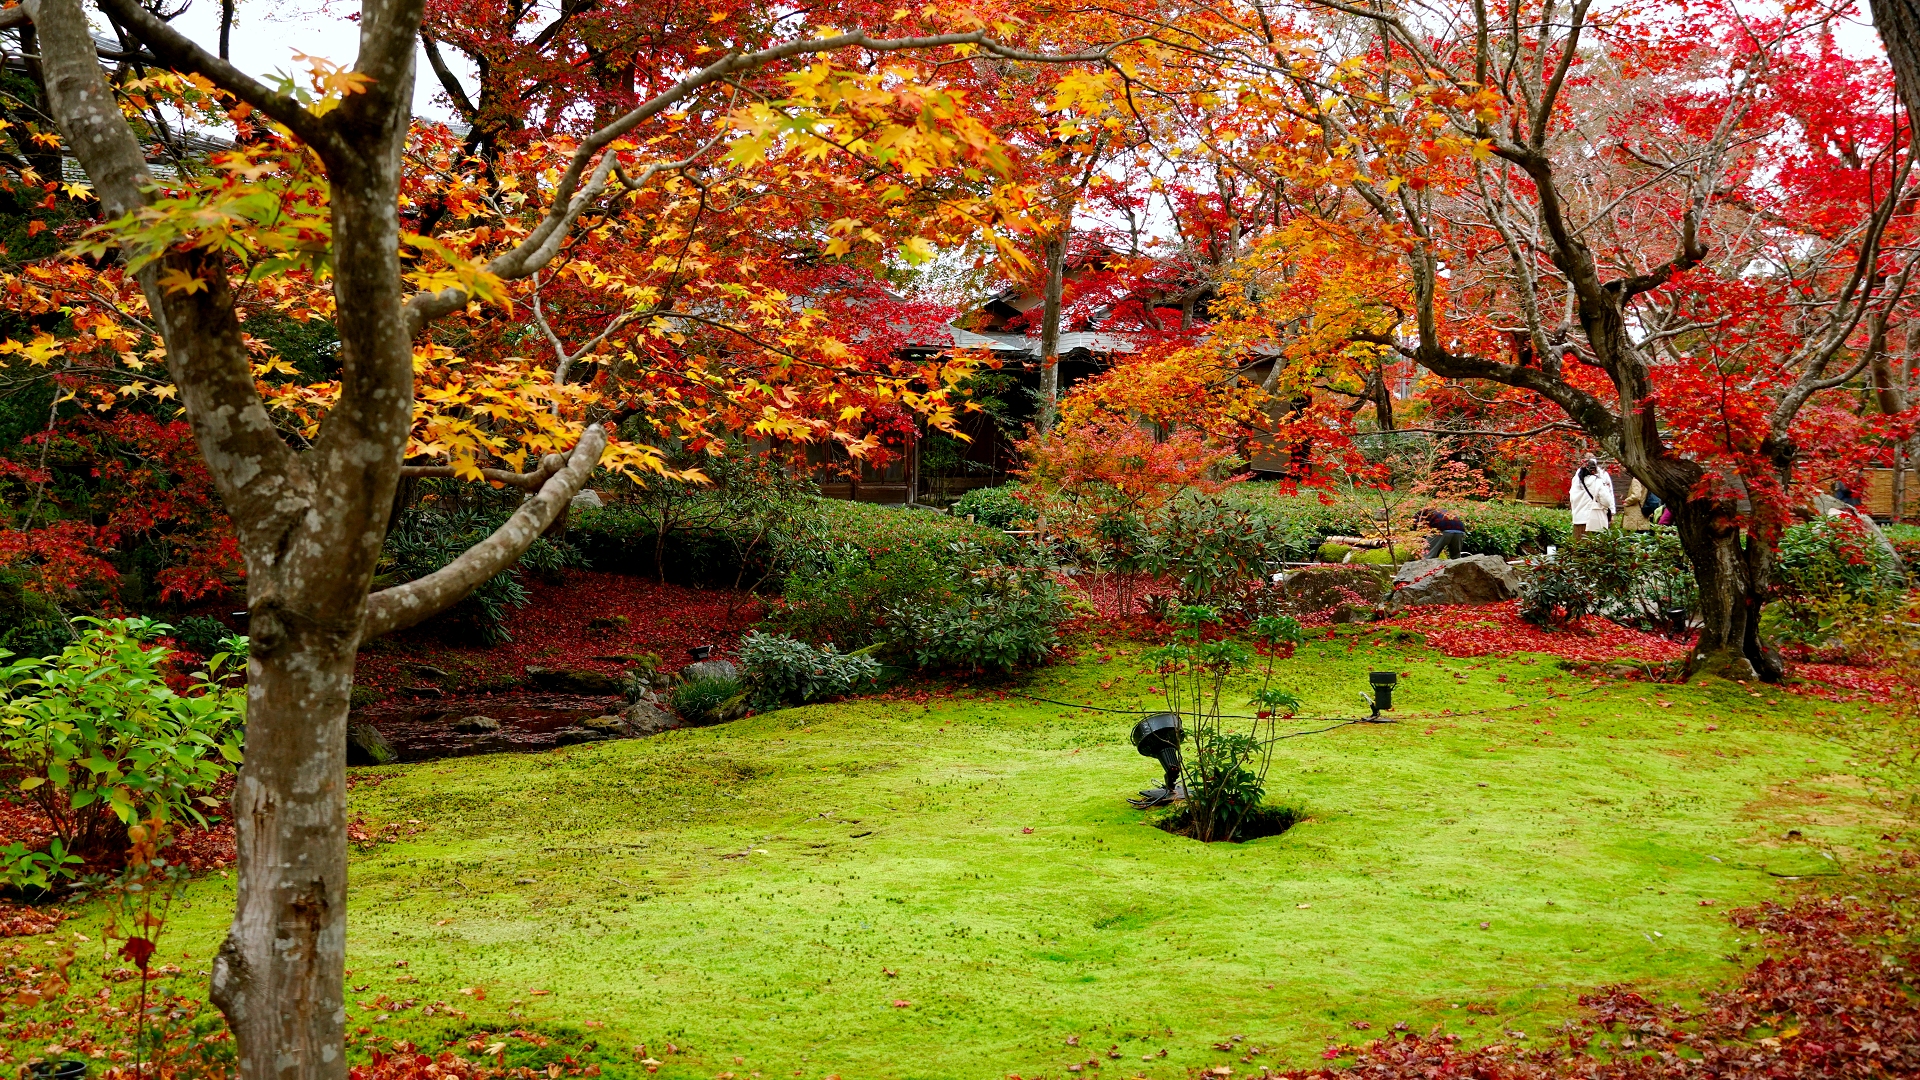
x,y
743,890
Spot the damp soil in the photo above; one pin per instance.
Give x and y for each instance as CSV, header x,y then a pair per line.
x,y
1265,821
529,721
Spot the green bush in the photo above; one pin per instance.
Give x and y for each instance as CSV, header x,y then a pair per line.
x,y
1638,579
428,537
996,507
725,533
1906,542
201,633
1494,527
95,736
992,616
783,670
1820,562
858,561
30,623
702,699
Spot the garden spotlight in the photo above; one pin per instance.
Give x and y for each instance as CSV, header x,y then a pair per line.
x,y
1158,736
1383,683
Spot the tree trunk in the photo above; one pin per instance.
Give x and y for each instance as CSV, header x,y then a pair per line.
x,y
1899,24
1733,574
1056,263
280,975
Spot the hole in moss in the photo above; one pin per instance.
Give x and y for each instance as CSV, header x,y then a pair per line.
x,y
1264,821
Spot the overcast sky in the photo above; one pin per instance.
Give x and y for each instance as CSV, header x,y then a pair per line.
x,y
267,33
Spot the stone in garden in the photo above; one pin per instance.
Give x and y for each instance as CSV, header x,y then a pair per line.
x,y
710,669
646,717
572,681
1323,588
366,746
577,733
1828,506
612,725
586,500
1470,579
475,725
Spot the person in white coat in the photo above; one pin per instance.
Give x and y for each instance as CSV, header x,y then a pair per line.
x,y
1590,498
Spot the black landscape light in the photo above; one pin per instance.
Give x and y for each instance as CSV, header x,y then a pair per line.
x,y
1383,683
700,652
1158,737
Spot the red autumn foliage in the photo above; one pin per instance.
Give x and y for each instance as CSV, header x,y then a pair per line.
x,y
1832,999
556,628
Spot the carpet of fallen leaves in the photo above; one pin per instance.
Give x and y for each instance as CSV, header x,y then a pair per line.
x,y
1832,997
590,621
1498,630
44,1019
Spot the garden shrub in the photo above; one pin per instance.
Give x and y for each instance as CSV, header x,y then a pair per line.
x,y
201,633
725,533
31,624
992,616
1639,579
859,561
428,537
96,736
702,699
1829,574
784,670
1906,542
996,507
1494,526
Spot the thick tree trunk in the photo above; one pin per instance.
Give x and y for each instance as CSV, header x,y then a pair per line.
x,y
280,975
1733,574
1899,24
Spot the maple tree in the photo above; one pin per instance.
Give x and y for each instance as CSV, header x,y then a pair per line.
x,y
1677,228
333,203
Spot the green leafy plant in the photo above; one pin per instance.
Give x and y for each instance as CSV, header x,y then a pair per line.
x,y
1639,579
991,615
1829,574
1227,756
95,736
703,699
785,670
996,507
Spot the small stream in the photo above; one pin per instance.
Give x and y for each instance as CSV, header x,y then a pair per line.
x,y
529,721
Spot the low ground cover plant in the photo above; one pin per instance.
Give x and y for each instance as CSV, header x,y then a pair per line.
x,y
98,741
1639,579
782,670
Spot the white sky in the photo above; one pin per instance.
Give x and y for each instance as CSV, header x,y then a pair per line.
x,y
266,34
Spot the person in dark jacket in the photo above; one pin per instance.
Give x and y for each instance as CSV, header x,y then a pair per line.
x,y
1450,532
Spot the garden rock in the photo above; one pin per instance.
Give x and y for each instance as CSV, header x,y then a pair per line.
x,y
579,733
612,725
588,499
1471,579
476,725
572,681
366,746
1323,588
647,717
710,669
1828,506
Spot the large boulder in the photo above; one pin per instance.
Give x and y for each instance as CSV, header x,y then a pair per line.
x,y
366,746
1470,579
648,717
572,680
710,669
1316,589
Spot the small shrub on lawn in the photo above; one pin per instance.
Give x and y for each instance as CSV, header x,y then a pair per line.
x,y
784,670
702,699
1639,579
864,561
992,616
996,507
1825,568
98,741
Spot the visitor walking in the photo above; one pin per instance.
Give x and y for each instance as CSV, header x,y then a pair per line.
x,y
1450,532
1590,498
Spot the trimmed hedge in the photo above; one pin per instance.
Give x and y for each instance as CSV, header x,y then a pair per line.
x,y
1494,527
